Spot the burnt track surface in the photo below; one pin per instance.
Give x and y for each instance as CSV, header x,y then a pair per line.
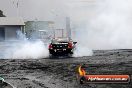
x,y
61,72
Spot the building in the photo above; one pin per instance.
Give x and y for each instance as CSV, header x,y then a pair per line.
x,y
39,29
9,28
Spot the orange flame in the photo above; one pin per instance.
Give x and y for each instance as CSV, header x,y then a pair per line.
x,y
81,71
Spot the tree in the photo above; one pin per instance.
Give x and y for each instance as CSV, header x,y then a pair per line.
x,y
1,14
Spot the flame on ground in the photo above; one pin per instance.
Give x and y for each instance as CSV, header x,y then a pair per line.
x,y
81,71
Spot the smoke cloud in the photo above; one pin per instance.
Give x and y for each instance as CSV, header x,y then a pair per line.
x,y
24,49
106,26
82,51
98,24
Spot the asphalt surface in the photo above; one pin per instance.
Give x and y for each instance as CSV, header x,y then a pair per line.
x,y
61,72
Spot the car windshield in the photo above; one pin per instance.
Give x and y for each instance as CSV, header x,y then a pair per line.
x,y
60,40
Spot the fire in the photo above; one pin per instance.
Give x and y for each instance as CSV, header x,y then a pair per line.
x,y
81,71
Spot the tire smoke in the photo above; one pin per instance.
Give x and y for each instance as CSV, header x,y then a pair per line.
x,y
24,49
99,24
103,24
82,51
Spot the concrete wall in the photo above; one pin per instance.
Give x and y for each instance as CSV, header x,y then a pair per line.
x,y
10,32
37,25
2,33
33,29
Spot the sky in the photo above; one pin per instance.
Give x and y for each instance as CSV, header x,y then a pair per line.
x,y
47,10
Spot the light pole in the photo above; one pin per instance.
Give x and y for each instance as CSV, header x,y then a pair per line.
x,y
16,5
55,18
68,27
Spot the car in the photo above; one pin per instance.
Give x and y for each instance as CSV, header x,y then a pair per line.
x,y
61,46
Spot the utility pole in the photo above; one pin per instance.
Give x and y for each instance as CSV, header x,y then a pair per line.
x,y
16,5
68,27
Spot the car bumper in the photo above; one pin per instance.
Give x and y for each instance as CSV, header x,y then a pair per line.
x,y
60,51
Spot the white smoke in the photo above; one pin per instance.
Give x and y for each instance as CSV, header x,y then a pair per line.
x,y
25,49
99,24
82,51
103,24
111,26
